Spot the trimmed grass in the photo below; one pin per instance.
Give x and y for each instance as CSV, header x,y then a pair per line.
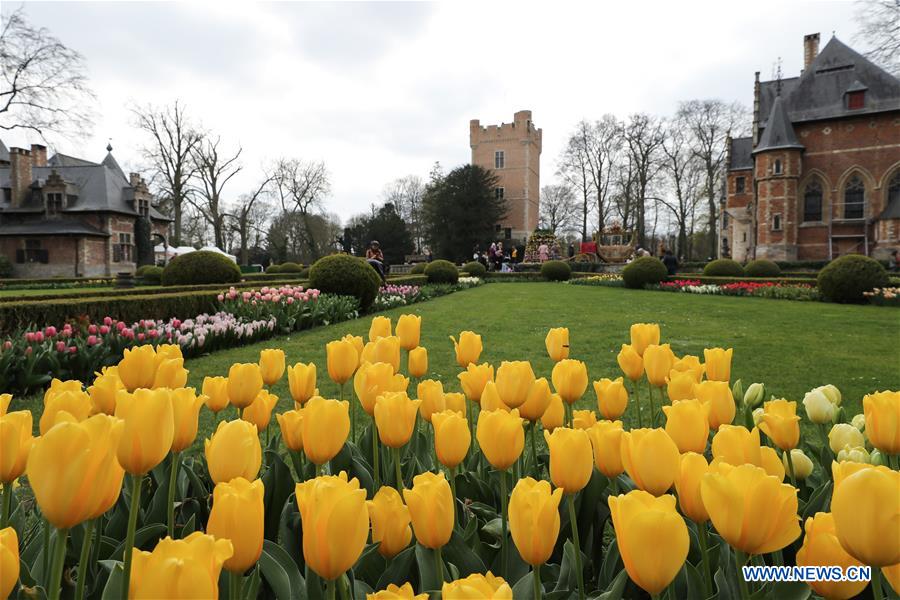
x,y
53,291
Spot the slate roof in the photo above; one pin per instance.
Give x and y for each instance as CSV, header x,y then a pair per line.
x,y
51,227
4,152
741,154
779,133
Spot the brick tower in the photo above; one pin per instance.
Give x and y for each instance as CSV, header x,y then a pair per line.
x,y
513,152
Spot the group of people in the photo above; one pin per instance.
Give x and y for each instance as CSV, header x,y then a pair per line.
x,y
667,258
496,257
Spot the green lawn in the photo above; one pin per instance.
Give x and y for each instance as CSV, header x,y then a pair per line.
x,y
53,291
791,346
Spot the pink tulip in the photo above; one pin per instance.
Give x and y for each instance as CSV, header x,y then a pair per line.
x,y
73,349
176,323
29,337
50,331
29,350
107,321
92,340
141,337
38,337
120,325
104,330
60,346
92,329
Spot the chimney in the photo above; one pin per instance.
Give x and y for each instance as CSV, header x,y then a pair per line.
x,y
38,155
19,175
810,49
134,179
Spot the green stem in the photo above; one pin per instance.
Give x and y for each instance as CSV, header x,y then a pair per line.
x,y
84,558
790,463
397,472
434,459
637,403
234,585
877,590
173,483
573,523
536,580
329,589
439,565
704,553
7,503
504,501
741,559
534,467
652,411
453,491
129,537
376,463
352,416
469,410
297,460
46,540
59,559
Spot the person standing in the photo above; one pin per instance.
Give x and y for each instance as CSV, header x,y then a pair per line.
x,y
543,252
671,262
894,262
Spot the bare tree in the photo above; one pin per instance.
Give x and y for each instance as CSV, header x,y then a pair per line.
x,y
644,137
249,216
174,138
559,209
406,193
45,85
300,187
575,168
604,144
214,171
879,28
685,175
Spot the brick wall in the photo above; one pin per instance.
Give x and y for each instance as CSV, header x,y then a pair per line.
x,y
62,253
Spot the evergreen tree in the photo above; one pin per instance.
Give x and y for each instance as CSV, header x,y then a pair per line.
x,y
391,231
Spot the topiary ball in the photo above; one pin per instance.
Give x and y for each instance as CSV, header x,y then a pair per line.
x,y
290,267
346,275
418,268
441,271
762,268
647,270
723,267
556,270
273,269
150,274
200,267
474,268
846,278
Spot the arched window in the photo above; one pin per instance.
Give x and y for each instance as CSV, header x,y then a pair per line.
x,y
893,194
812,201
854,198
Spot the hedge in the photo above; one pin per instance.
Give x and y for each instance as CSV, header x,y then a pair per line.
x,y
720,280
418,280
82,280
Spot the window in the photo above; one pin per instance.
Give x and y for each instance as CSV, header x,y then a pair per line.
x,y
498,193
812,201
499,159
144,207
739,185
744,237
32,253
856,100
777,168
893,194
854,198
122,250
54,203
776,222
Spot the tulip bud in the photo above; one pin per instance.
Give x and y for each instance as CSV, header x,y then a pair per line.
x,y
260,410
103,393
233,451
501,437
58,386
867,515
606,442
455,402
474,379
271,365
514,380
370,381
238,514
76,404
687,425
720,403
570,379
643,335
555,414
757,415
882,420
803,466
395,418
859,421
215,391
822,548
557,343
754,395
431,509
291,424
357,342
736,445
387,350
483,587
468,349
137,369
857,455
819,409
186,411
876,458
490,398
689,364
368,353
691,469
431,393
417,362
781,423
302,382
537,401
451,437
326,425
244,384
342,359
652,536
658,361
380,327
395,592
718,364
534,519
170,373
408,330
178,568
680,386
612,397
630,362
9,561
571,458
15,441
583,419
844,434
390,522
149,428
650,458
832,393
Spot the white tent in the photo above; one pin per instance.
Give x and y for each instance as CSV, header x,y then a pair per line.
x,y
167,254
217,251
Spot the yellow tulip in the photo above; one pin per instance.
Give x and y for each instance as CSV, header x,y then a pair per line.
x,y
417,362
643,335
500,437
650,458
583,419
717,363
370,381
431,393
260,410
803,465
291,424
271,366
717,395
474,378
477,587
844,434
170,373
394,592
537,401
215,391
882,410
15,443
5,400
326,425
149,428
58,386
781,423
73,467
244,384
186,411
368,353
430,503
658,361
689,364
652,538
691,469
390,522
736,445
302,382
630,362
342,359
387,350
9,561
867,515
771,463
753,511
456,402
571,458
570,379
612,397
395,418
167,352
103,393
534,519
380,327
179,569
358,344
687,425
137,369
490,398
892,574
409,328
606,442
238,514
557,343
555,414
821,548
680,385
468,348
233,451
451,437
76,404
514,380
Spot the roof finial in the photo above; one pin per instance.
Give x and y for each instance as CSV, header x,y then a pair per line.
x,y
109,145
778,78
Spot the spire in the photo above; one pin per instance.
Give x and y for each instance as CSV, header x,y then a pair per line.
x,y
778,132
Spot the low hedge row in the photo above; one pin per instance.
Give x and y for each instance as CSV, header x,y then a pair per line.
x,y
73,280
418,280
721,280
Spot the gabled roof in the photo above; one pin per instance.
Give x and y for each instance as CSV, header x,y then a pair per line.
x,y
51,227
741,154
779,133
4,152
110,163
63,160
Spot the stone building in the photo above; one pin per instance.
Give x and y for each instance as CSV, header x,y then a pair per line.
x,y
70,217
513,152
820,175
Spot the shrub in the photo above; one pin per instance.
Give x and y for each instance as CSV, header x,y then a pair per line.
x,y
273,268
346,275
200,267
647,270
290,267
724,267
846,278
304,273
474,268
6,268
762,268
441,271
556,270
418,269
150,274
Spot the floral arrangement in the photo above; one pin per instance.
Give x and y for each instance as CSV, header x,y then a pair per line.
x,y
601,279
392,296
889,296
759,289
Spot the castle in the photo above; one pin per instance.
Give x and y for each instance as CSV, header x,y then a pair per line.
x,y
820,175
513,152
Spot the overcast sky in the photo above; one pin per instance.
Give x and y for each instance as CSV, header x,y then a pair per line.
x,y
380,90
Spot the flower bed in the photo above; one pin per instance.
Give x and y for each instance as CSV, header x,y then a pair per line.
x,y
889,296
759,289
603,279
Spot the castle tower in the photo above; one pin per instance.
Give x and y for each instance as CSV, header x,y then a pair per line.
x,y
513,152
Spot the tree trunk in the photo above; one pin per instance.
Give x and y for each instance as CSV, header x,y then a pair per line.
x,y
713,241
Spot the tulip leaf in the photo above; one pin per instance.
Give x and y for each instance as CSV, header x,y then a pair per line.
x,y
279,485
464,558
113,588
156,512
189,527
791,590
612,564
250,589
281,572
524,588
816,501
494,528
723,586
290,532
428,576
399,569
617,587
314,585
370,565
695,585
200,489
142,537
567,575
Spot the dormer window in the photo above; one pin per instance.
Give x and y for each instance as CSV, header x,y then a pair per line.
x,y
54,203
856,100
143,207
